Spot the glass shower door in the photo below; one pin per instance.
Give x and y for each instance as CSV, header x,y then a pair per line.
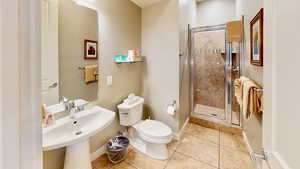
x,y
215,66
209,71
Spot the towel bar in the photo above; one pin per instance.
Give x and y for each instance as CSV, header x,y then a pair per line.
x,y
259,90
81,67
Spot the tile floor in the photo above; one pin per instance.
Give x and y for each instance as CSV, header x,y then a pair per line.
x,y
200,148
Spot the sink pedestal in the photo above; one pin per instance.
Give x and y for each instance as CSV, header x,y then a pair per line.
x,y
78,156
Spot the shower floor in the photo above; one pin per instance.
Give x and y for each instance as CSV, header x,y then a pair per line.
x,y
219,113
209,111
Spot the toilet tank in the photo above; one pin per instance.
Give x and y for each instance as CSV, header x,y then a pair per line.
x,y
131,110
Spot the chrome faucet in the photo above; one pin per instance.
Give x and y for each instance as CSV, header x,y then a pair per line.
x,y
68,103
74,109
71,107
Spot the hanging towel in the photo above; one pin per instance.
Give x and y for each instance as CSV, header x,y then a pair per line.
x,y
251,104
249,99
238,88
234,31
91,73
256,101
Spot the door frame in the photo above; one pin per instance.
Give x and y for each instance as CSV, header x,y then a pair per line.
x,y
20,122
275,160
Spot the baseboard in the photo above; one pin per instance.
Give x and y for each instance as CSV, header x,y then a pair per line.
x,y
99,152
275,161
179,134
249,148
246,140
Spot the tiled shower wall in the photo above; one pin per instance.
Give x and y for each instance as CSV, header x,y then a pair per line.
x,y
209,76
209,68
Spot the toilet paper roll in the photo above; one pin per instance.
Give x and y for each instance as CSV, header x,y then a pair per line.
x,y
171,110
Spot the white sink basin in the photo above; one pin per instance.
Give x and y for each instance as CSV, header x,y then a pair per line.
x,y
64,133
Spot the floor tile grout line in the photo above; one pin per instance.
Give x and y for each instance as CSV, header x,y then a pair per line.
x,y
219,161
208,141
129,164
169,159
173,153
189,156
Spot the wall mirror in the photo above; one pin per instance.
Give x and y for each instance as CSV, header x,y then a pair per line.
x,y
69,52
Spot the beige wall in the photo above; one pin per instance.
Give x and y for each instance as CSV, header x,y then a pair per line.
x,y
72,33
249,9
215,12
252,127
160,45
120,30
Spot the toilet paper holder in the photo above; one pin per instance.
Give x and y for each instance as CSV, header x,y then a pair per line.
x,y
173,104
171,109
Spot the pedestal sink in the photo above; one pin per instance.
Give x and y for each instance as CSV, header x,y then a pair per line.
x,y
74,135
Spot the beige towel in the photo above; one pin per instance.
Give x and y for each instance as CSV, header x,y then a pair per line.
x,y
90,73
256,101
249,99
238,88
234,31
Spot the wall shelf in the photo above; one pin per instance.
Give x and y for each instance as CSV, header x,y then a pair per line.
x,y
134,61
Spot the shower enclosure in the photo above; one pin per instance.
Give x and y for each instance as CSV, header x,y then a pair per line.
x,y
215,65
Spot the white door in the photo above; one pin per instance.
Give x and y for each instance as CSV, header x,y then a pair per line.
x,y
281,82
50,76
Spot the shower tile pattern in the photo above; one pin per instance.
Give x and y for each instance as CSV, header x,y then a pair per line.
x,y
210,68
200,148
209,53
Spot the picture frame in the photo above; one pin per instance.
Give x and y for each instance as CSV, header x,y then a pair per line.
x,y
90,49
257,39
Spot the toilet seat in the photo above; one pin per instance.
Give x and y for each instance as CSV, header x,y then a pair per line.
x,y
155,131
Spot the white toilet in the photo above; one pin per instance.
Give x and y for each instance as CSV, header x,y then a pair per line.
x,y
150,136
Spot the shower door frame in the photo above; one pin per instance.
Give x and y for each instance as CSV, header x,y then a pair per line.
x,y
228,87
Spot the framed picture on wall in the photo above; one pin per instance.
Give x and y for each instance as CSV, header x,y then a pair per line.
x,y
256,39
90,49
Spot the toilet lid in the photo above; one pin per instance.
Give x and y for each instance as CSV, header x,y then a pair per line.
x,y
155,128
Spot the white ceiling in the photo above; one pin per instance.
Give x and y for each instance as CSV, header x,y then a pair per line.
x,y
144,3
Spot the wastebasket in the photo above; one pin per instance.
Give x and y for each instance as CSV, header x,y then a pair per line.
x,y
117,148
